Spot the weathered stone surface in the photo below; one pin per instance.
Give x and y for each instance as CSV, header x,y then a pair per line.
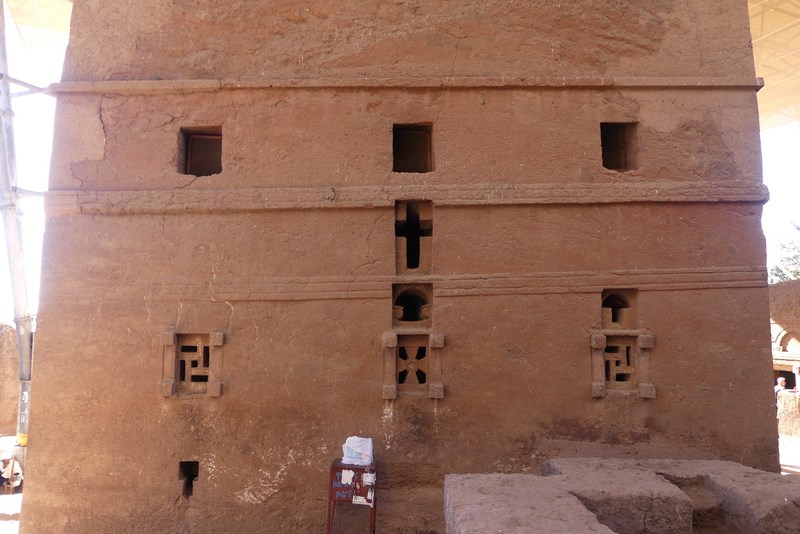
x,y
788,413
513,504
783,298
752,500
627,497
313,39
725,495
344,140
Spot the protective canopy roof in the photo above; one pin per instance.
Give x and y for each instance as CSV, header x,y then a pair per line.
x,y
46,14
775,27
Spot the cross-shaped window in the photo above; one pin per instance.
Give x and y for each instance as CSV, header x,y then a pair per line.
x,y
412,361
413,223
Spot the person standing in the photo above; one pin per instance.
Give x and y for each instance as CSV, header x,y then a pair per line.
x,y
12,473
780,385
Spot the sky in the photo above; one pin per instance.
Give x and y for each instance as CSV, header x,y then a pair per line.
x,y
40,65
780,154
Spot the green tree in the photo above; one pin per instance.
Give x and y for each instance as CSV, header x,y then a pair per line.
x,y
788,264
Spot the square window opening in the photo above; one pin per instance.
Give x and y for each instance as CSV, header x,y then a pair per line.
x,y
620,145
412,148
202,151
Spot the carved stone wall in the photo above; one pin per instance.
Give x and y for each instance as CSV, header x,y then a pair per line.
x,y
479,177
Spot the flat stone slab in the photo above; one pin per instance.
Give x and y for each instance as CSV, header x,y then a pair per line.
x,y
626,497
513,504
752,500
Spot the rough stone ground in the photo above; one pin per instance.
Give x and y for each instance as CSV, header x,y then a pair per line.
x,y
626,497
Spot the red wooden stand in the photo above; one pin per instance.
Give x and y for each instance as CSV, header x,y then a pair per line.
x,y
354,484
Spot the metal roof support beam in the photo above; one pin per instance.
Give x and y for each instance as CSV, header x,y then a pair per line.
x,y
11,222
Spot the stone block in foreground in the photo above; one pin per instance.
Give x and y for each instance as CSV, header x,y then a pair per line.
x,y
625,497
513,504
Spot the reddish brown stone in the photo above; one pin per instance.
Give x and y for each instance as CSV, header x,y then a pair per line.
x,y
292,253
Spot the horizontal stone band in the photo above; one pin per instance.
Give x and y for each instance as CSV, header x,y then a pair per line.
x,y
260,199
511,82
231,289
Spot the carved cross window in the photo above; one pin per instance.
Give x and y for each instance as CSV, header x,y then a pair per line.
x,y
412,362
413,228
412,365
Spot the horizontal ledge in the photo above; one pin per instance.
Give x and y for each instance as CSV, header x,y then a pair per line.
x,y
281,198
368,287
446,82
222,294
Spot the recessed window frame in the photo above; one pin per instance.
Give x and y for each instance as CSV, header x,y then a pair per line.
x,y
413,362
619,308
413,236
200,150
192,364
412,148
620,362
412,304
431,364
619,144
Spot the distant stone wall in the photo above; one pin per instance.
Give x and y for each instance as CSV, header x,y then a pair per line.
x,y
784,310
9,380
789,414
783,302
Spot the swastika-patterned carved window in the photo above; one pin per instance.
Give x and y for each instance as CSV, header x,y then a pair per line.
x,y
194,361
620,362
192,364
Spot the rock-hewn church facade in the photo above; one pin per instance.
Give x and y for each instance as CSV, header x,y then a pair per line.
x,y
468,230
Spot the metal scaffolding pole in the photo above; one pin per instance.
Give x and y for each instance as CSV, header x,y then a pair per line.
x,y
12,225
